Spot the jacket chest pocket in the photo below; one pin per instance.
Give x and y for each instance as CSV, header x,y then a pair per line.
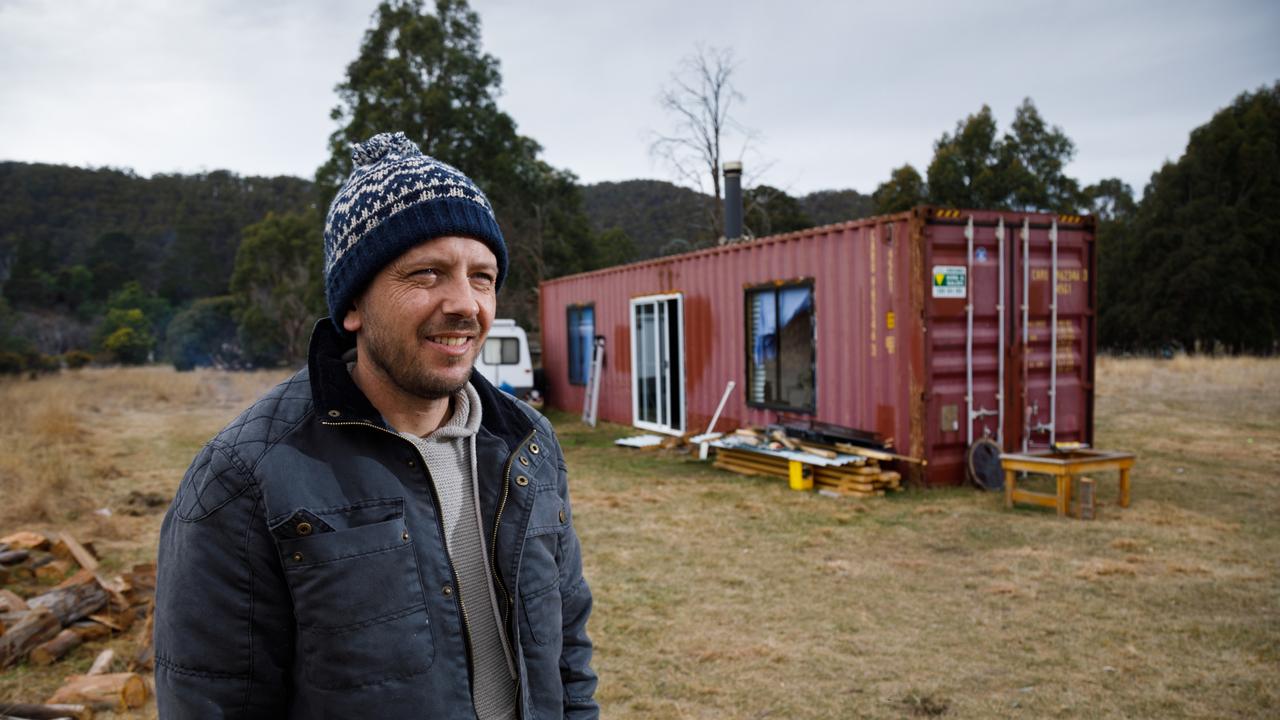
x,y
357,595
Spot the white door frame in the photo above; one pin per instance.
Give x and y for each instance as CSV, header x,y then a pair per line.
x,y
676,425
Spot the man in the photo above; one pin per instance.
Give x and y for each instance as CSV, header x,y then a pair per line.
x,y
384,534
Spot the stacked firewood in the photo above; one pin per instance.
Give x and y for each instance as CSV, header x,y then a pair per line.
x,y
862,480
44,624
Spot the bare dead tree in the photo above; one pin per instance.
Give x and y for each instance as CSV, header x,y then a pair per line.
x,y
699,99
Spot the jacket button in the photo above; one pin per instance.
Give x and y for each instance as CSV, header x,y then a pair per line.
x,y
297,557
334,413
533,448
524,461
562,516
412,463
447,590
522,480
303,528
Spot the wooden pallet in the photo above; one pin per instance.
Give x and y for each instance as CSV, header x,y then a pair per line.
x,y
865,479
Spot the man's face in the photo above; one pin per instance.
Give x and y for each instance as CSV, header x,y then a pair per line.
x,y
424,317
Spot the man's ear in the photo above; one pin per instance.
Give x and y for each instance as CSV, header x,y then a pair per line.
x,y
351,322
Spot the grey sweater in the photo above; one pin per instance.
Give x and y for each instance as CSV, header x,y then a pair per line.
x,y
449,456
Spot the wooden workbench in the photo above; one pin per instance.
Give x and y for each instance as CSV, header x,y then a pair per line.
x,y
1064,467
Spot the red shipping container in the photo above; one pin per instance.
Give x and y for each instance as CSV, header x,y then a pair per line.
x,y
934,328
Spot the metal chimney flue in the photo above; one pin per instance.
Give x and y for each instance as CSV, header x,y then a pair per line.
x,y
732,201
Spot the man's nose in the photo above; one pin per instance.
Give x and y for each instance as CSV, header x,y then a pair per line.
x,y
460,298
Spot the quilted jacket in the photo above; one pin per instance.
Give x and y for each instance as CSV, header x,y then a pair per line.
x,y
302,570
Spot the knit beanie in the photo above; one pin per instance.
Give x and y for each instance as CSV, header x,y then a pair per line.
x,y
395,199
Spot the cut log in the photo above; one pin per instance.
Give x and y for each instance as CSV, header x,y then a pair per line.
x,y
140,582
102,663
80,578
13,557
54,570
10,601
118,621
46,712
60,550
79,552
26,540
113,691
71,601
88,630
47,653
145,660
11,617
37,625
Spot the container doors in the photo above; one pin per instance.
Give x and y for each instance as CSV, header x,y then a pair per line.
x,y
1009,352
1055,333
967,262
657,363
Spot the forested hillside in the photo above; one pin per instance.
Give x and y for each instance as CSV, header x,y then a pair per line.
x,y
662,218
72,235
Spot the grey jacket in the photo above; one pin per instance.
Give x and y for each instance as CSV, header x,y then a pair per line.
x,y
302,570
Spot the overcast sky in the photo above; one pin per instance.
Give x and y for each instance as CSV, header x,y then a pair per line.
x,y
839,93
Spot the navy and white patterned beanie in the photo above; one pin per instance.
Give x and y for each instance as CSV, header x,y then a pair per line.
x,y
395,199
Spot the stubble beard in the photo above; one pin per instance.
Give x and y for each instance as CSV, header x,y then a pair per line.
x,y
404,365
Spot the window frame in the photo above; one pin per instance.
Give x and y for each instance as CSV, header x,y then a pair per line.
x,y
776,287
571,335
502,343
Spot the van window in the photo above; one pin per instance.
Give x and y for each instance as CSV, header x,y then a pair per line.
x,y
780,347
582,332
501,351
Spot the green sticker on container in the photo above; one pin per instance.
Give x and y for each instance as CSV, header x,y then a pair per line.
x,y
949,281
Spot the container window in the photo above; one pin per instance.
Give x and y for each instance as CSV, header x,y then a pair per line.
x,y
501,351
582,332
780,347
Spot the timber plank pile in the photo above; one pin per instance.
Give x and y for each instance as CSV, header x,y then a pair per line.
x,y
840,469
53,599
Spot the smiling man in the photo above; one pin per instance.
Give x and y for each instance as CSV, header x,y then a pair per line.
x,y
384,534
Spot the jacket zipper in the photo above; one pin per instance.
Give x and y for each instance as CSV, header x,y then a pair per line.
x,y
497,579
493,544
435,498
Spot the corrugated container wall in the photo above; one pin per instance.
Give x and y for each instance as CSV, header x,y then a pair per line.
x,y
917,322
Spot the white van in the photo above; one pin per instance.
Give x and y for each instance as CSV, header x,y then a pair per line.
x,y
504,360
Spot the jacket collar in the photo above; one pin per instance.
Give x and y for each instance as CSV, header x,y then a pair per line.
x,y
339,399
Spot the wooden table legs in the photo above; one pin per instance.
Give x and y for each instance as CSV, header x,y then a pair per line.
x,y
1124,487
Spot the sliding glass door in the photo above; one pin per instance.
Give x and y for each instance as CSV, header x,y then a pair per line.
x,y
657,367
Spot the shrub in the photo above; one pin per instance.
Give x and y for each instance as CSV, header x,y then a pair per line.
x,y
76,359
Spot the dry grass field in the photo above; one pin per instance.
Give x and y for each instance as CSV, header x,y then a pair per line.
x,y
722,596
